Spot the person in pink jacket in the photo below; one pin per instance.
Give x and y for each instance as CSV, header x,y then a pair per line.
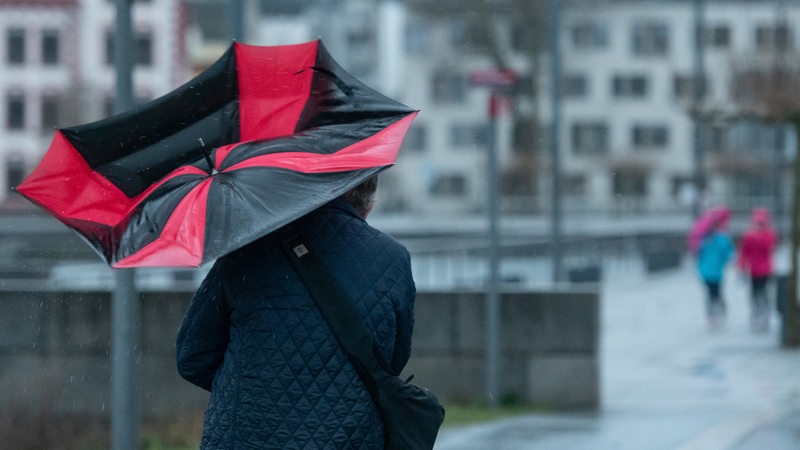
x,y
755,260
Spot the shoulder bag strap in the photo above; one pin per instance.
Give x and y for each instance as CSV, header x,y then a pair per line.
x,y
344,319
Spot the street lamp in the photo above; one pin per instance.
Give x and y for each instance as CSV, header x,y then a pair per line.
x,y
499,82
555,156
124,300
698,91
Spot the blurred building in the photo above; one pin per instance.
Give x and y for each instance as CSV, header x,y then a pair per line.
x,y
56,70
629,96
632,124
628,93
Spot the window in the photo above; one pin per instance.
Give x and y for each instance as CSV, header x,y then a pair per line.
x,y
15,50
50,105
630,183
416,137
109,104
757,140
448,88
451,185
650,39
683,190
590,138
360,44
15,109
752,185
15,173
712,137
525,135
574,86
466,35
360,37
469,135
51,53
588,35
574,185
517,181
683,87
282,7
716,36
650,137
521,36
773,38
629,86
417,38
142,49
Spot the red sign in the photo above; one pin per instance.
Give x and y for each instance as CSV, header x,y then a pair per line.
x,y
493,78
499,105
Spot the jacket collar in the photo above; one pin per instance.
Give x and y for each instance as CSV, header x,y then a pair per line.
x,y
343,205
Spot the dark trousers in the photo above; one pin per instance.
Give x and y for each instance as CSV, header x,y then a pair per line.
x,y
758,295
715,303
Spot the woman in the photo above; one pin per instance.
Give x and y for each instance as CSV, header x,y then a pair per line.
x,y
254,338
714,253
755,260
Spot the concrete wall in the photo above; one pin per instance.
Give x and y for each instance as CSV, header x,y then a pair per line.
x,y
55,346
549,346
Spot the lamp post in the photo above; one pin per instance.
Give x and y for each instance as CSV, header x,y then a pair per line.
x,y
555,154
236,17
499,81
124,300
698,91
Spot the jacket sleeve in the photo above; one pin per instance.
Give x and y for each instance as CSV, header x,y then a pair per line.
x,y
404,317
203,336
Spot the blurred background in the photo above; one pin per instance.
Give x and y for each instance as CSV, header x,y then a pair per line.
x,y
558,141
598,112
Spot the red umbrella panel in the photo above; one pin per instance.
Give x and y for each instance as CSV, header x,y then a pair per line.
x,y
262,137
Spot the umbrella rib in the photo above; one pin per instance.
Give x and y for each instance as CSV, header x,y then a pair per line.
x,y
336,80
207,155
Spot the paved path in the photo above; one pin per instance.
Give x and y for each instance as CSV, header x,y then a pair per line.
x,y
668,382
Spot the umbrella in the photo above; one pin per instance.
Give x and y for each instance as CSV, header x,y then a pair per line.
x,y
706,223
262,137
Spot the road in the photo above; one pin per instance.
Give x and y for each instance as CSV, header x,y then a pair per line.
x,y
668,381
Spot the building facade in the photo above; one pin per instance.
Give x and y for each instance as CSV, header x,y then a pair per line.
x,y
56,70
632,81
627,138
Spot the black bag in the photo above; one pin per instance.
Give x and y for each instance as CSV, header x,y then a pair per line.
x,y
411,414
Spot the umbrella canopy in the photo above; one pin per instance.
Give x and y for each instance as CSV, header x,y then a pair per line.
x,y
708,221
262,137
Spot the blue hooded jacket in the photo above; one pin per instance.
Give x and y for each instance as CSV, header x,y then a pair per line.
x,y
277,376
716,249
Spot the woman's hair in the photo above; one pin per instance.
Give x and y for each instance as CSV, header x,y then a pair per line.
x,y
362,197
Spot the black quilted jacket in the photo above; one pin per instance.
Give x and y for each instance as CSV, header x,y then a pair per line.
x,y
253,337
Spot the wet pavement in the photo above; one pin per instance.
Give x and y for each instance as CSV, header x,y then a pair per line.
x,y
668,381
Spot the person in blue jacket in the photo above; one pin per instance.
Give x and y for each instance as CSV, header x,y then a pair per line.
x,y
254,338
716,250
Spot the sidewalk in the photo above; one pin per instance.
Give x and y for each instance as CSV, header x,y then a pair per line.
x,y
668,382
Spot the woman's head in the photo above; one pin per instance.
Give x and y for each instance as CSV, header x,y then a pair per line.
x,y
362,197
761,218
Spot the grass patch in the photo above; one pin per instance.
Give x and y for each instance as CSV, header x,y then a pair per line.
x,y
460,415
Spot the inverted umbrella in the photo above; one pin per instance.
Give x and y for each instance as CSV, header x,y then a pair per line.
x,y
262,137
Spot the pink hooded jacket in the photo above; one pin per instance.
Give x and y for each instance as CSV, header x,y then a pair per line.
x,y
758,244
